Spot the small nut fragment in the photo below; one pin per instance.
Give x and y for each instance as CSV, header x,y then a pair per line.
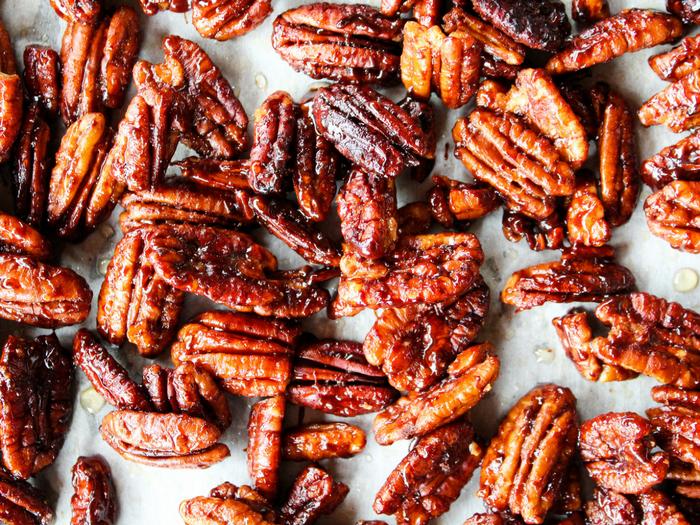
x,y
84,11
313,495
319,441
93,500
673,213
608,507
452,200
426,12
42,77
21,503
545,234
589,11
264,450
687,10
678,62
226,19
677,106
228,505
585,216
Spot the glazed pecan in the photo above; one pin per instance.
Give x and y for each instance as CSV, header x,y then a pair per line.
x,y
96,62
10,109
414,218
545,234
319,441
248,354
658,509
469,378
135,303
589,11
452,200
7,54
616,449
368,215
344,42
426,482
687,10
429,268
585,216
38,294
93,500
264,450
608,508
370,130
228,505
334,377
36,402
22,504
677,106
42,77
224,175
678,62
226,19
151,7
539,25
314,494
16,237
626,32
672,214
84,11
427,12
528,459
414,345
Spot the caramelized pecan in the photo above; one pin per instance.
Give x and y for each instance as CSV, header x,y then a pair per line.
x,y
11,102
151,7
687,10
16,237
608,508
452,200
677,106
314,494
225,175
319,441
93,500
585,215
22,504
545,234
264,450
42,77
658,509
673,213
414,218
84,11
680,161
678,62
589,11
226,19
228,505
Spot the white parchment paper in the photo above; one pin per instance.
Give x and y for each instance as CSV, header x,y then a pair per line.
x,y
526,343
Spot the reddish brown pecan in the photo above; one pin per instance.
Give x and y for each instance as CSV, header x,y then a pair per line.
x,y
334,377
16,237
151,7
678,62
616,449
319,441
427,12
370,130
11,97
36,403
426,482
585,216
677,106
228,505
93,500
452,200
264,450
673,214
345,42
687,10
608,508
84,11
546,234
7,54
41,295
626,32
22,504
582,274
415,345
249,355
224,175
589,11
680,161
414,218
469,379
226,19
42,77
314,494
658,509
528,459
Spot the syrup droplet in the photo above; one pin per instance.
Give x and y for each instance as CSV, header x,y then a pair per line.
x,y
91,401
685,280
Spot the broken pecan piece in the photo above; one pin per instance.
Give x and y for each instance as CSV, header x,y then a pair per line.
x,y
314,494
452,200
226,19
84,11
678,62
680,161
11,103
42,77
528,459
319,441
608,508
414,218
687,10
616,449
228,505
93,500
264,450
22,504
545,234
16,237
677,106
658,509
589,11
673,213
469,379
430,478
585,216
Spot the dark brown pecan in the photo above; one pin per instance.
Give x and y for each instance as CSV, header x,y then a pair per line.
x,y
314,494
626,32
546,234
616,449
678,62
677,106
610,508
36,402
93,501
224,175
589,11
680,161
469,378
41,295
16,237
658,509
528,459
84,11
248,354
367,211
334,377
228,504
106,375
11,103
319,441
452,200
687,10
673,214
42,77
414,218
22,504
415,345
585,215
429,268
226,19
370,130
96,62
540,25
430,478
345,42
264,450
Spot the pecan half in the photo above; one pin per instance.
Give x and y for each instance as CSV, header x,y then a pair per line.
x,y
264,450
319,441
42,77
452,200
469,379
546,234
616,449
16,237
21,503
370,130
430,478
589,11
528,459
11,103
585,215
678,62
225,175
226,19
673,213
249,355
314,494
659,509
626,32
36,403
677,106
228,505
687,10
680,161
344,42
93,500
334,377
84,11
581,275
608,508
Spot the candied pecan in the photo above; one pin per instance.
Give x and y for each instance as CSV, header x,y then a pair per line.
x,y
538,25
228,505
264,450
368,215
469,378
581,275
616,450
415,345
626,32
427,12
163,440
585,216
527,461
93,500
678,62
11,103
687,10
319,441
16,237
344,42
427,481
41,295
225,175
414,218
423,114
611,508
672,214
589,11
314,494
42,77
680,161
22,504
677,106
84,11
545,234
658,509
135,303
7,54
96,61
226,19
36,402
370,130
452,200
151,7
334,377
249,355
429,268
